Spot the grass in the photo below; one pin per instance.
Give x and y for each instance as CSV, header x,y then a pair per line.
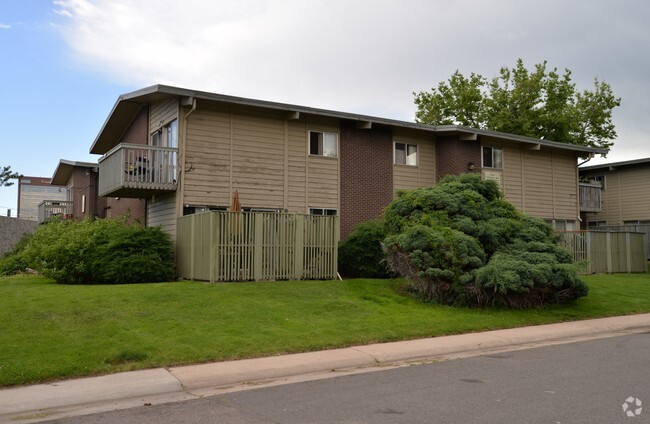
x,y
50,331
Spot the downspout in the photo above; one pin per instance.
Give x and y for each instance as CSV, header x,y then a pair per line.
x,y
183,149
590,157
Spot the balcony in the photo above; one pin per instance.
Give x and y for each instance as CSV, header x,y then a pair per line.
x,y
590,200
49,209
138,171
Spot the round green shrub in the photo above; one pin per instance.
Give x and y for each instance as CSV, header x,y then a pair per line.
x,y
100,251
461,242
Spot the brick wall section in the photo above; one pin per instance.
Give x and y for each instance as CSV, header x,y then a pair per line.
x,y
84,183
135,208
366,174
138,131
453,156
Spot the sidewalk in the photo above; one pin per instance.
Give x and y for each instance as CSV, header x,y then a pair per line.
x,y
125,390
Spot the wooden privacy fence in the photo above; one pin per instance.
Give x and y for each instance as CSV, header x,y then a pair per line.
x,y
634,228
241,246
607,252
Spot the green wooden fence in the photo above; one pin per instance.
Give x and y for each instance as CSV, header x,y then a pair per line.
x,y
607,252
241,246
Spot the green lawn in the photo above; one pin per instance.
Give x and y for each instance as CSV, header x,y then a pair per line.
x,y
50,331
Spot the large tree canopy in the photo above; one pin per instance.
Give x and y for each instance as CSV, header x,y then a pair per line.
x,y
537,103
6,176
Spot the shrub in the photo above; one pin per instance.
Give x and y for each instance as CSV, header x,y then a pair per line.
x,y
94,252
361,254
461,242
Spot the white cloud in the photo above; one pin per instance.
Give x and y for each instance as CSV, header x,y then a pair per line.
x,y
4,26
365,56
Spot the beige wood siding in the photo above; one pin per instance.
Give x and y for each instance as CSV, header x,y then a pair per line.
x,y
323,180
162,113
538,183
260,154
541,183
258,157
297,166
635,193
565,186
161,212
406,177
513,175
626,196
207,157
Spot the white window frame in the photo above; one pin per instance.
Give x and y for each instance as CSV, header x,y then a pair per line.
x,y
413,162
320,148
492,157
166,135
323,211
599,179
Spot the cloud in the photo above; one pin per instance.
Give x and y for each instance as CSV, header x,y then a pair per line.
x,y
4,26
366,56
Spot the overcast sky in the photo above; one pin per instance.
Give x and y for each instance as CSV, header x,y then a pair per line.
x,y
66,62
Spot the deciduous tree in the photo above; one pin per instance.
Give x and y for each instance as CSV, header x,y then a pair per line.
x,y
536,103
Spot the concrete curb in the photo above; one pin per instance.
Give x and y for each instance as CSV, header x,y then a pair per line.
x,y
76,397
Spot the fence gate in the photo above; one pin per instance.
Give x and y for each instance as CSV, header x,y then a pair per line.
x,y
241,246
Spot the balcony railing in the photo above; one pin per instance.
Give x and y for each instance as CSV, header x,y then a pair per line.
x,y
49,209
590,200
134,170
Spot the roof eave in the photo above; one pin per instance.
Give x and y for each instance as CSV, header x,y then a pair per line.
x,y
128,105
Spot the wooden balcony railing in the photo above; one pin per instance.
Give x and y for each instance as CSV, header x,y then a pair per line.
x,y
590,197
134,170
49,209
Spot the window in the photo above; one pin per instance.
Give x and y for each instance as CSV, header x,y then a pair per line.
x,y
323,211
322,144
406,154
492,158
598,179
192,209
595,224
166,136
270,210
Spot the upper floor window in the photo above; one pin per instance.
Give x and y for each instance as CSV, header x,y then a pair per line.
x,y
492,157
406,154
166,136
598,179
323,144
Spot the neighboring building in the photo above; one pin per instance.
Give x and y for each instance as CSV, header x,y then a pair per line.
x,y
187,151
34,190
81,182
625,192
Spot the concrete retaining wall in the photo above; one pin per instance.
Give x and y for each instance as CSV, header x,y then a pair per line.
x,y
12,230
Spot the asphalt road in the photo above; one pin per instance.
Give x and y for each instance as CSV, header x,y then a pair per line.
x,y
584,382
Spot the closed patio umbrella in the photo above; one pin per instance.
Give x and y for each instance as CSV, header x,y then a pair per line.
x,y
235,204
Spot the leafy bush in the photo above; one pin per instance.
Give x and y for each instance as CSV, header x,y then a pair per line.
x,y
461,242
94,252
361,254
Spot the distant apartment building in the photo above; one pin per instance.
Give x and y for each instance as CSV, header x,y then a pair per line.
x,y
34,190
